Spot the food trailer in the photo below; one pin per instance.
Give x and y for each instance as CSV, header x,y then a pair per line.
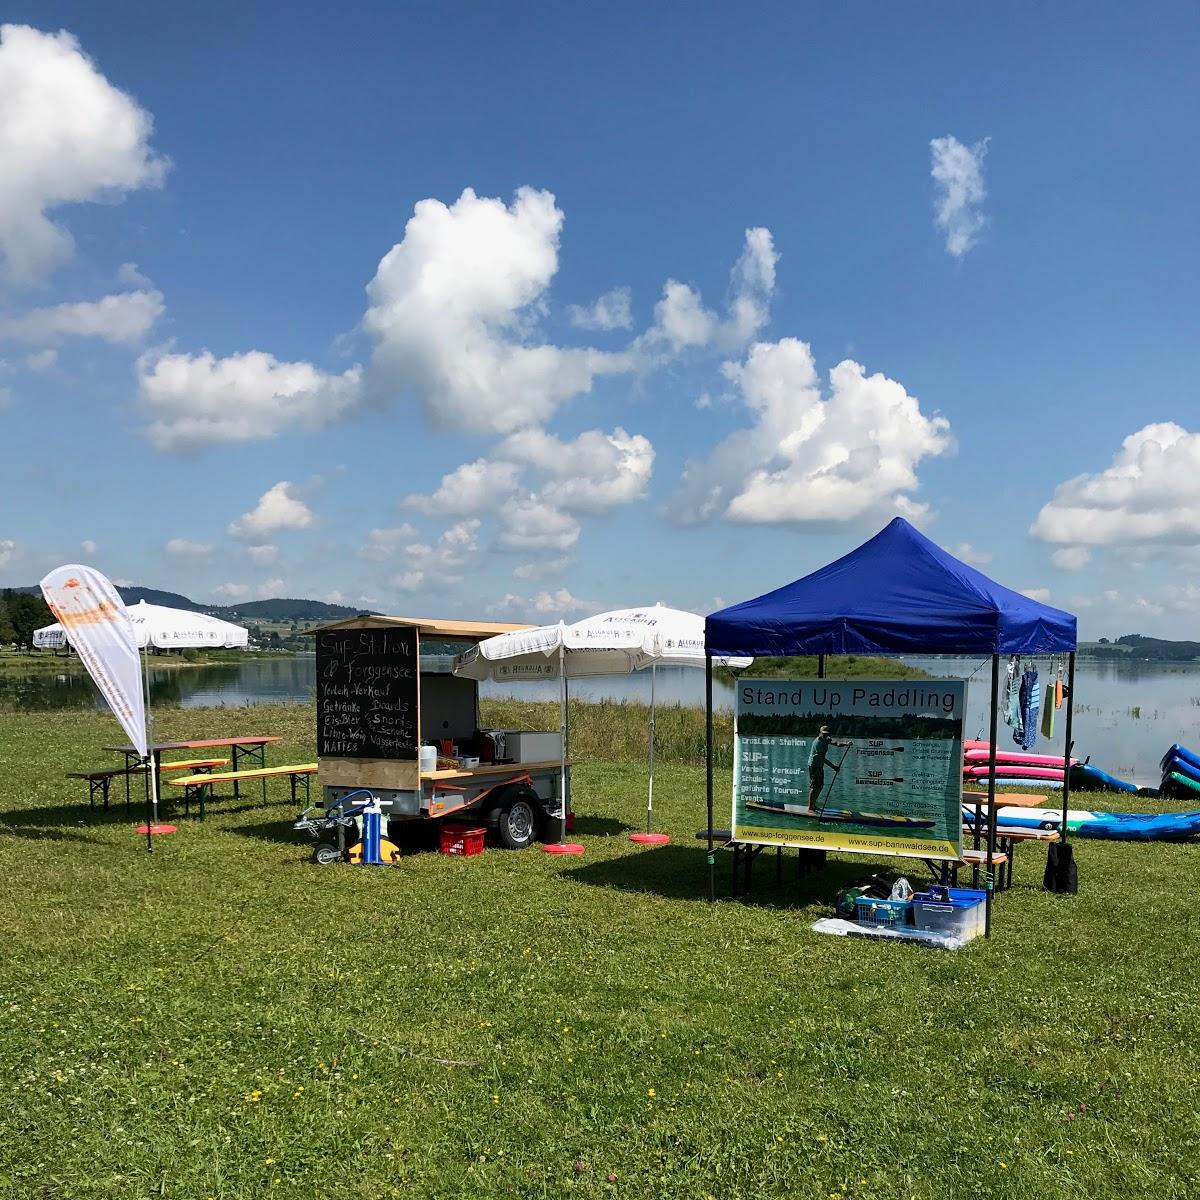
x,y
393,719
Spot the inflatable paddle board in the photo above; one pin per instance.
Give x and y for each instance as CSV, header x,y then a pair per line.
x,y
982,756
1183,785
841,814
1091,779
1180,754
1009,781
1111,826
1181,766
1021,771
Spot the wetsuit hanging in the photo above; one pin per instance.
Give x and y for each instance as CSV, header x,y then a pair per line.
x,y
1026,736
1011,707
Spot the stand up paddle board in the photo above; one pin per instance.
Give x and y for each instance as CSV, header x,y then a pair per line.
x,y
841,814
1111,826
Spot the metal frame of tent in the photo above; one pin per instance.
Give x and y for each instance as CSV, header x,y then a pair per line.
x,y
974,615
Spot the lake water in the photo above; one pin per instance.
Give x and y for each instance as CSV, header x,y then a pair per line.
x,y
1126,713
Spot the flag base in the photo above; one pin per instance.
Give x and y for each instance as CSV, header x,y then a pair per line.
x,y
563,848
650,839
157,830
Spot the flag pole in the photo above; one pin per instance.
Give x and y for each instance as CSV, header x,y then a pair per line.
x,y
148,761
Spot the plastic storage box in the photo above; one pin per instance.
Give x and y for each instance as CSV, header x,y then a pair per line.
x,y
958,912
893,913
463,840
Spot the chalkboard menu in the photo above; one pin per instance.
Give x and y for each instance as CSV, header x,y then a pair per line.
x,y
367,693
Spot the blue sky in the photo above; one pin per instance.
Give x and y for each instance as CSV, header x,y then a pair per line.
x,y
311,321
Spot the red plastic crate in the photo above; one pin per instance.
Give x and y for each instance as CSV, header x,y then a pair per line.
x,y
464,840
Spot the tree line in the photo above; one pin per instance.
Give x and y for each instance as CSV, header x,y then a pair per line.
x,y
20,614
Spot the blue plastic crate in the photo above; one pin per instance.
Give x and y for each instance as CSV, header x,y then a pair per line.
x,y
868,911
955,911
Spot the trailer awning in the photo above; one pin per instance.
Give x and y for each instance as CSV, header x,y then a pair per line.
x,y
432,627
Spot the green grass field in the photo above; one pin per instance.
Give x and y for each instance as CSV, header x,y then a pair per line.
x,y
223,1019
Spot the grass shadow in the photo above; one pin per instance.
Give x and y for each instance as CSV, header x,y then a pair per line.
x,y
599,826
680,872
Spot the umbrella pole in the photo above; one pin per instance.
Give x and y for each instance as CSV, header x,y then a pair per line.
x,y
562,744
650,792
989,880
708,765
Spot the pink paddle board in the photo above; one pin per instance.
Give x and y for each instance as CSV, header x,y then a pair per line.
x,y
1017,771
975,757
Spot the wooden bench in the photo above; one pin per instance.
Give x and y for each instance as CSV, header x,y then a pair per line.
x,y
203,784
99,781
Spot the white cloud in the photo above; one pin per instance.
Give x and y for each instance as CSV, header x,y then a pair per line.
x,y
233,591
536,570
88,546
957,172
968,554
382,544
441,563
8,551
280,507
195,400
808,460
529,523
474,487
1072,558
183,548
42,360
129,275
270,589
451,308
1149,493
66,136
682,321
610,311
1040,594
124,317
545,606
263,556
591,474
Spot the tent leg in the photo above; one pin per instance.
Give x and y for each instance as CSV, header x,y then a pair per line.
x,y
1061,870
989,881
708,765
820,666
650,790
562,745
152,761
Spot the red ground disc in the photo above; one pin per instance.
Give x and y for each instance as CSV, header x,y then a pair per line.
x,y
650,839
156,829
563,848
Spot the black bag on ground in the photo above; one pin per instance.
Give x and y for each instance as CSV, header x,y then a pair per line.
x,y
1062,874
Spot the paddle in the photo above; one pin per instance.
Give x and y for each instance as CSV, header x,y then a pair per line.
x,y
836,770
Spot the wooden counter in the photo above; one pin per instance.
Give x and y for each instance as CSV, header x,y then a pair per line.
x,y
486,769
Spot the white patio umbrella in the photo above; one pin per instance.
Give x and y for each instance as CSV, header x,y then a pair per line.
x,y
610,643
165,628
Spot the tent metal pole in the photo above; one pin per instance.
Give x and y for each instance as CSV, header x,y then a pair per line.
x,y
650,791
562,744
990,880
708,763
1070,745
820,666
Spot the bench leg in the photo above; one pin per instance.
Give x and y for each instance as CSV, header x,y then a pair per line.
x,y
104,789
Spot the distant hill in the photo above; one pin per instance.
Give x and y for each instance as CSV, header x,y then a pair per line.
x,y
286,610
261,610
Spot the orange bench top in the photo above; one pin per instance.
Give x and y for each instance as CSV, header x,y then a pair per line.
x,y
238,776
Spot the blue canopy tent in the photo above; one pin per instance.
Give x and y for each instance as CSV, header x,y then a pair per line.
x,y
898,593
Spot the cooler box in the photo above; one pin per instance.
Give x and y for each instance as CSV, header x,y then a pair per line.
x,y
532,747
956,911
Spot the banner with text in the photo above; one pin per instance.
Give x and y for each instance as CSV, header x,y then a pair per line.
x,y
93,616
868,767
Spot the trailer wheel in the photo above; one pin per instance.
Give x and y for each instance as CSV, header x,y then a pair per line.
x,y
517,824
325,854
